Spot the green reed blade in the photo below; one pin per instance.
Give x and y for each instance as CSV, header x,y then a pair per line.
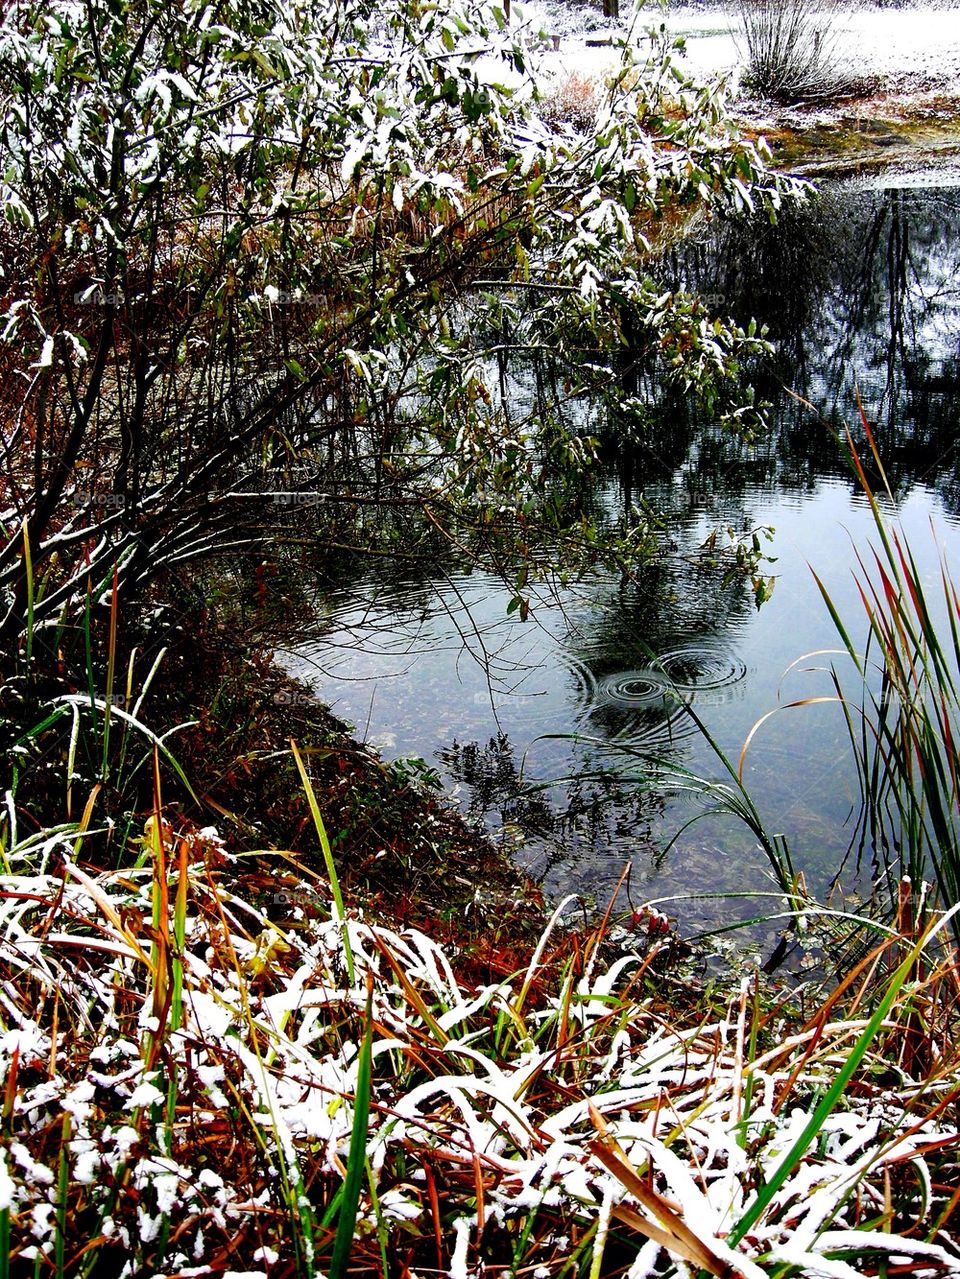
x,y
63,1194
28,570
357,1158
327,857
830,1098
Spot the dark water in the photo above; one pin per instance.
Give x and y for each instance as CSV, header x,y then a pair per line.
x,y
540,728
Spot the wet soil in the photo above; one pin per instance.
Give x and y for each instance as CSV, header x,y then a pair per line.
x,y
867,135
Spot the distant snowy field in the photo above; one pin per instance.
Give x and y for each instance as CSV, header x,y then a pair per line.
x,y
913,50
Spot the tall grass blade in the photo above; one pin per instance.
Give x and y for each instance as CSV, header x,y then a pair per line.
x,y
906,743
383,1234
833,1094
327,857
111,675
84,824
160,920
88,646
357,1157
4,1243
63,1199
6,1132
179,935
28,572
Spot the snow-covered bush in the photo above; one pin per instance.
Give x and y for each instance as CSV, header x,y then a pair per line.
x,y
790,49
279,237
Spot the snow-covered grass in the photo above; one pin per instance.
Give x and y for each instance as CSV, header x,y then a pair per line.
x,y
193,1088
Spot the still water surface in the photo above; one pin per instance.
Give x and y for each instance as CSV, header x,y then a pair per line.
x,y
540,727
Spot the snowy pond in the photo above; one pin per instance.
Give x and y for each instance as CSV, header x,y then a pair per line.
x,y
539,728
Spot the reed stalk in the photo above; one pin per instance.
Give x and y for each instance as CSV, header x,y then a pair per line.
x,y
903,720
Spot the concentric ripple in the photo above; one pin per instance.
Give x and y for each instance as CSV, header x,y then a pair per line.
x,y
638,709
633,690
654,732
697,668
584,682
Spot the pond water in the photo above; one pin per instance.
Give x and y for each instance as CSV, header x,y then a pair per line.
x,y
540,728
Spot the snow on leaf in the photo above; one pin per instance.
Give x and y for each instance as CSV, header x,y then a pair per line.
x,y
7,1187
46,354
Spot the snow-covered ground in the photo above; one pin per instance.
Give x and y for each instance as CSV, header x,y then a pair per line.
x,y
913,51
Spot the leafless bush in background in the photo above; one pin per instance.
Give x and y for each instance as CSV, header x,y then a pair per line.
x,y
790,49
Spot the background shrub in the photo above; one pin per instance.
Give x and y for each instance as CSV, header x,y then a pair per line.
x,y
790,49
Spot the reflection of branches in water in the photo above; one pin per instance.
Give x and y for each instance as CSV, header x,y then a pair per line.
x,y
885,319
859,288
577,821
492,776
399,620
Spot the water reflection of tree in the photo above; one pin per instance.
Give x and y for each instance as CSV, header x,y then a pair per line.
x,y
858,291
581,821
860,288
682,599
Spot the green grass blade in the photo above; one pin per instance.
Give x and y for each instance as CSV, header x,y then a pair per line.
x,y
28,570
111,677
383,1233
88,647
357,1158
837,621
36,729
327,856
5,1243
833,1093
74,699
6,1132
63,1195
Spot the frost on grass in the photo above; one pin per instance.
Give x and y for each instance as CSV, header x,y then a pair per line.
x,y
199,1103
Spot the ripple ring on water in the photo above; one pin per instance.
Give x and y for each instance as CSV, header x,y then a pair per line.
x,y
633,690
695,669
655,730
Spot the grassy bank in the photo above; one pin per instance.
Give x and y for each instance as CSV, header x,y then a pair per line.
x,y
301,1021
204,686
861,138
195,1087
